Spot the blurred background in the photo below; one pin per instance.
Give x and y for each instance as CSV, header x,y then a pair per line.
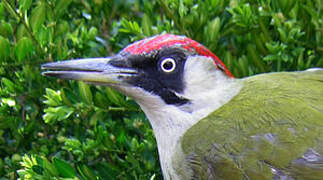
x,y
51,128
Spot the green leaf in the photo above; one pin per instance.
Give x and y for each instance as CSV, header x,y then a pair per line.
x,y
63,112
64,169
93,33
25,4
62,28
85,92
257,61
24,48
101,100
59,113
43,35
4,48
5,29
86,172
66,95
182,9
37,169
38,16
146,25
285,5
96,117
1,11
21,32
270,58
50,14
53,98
61,6
282,34
9,7
134,144
9,101
10,86
114,96
49,117
213,29
130,27
244,65
50,168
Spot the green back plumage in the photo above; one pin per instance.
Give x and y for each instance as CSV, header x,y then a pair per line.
x,y
268,131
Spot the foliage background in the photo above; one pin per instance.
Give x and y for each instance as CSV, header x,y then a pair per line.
x,y
65,129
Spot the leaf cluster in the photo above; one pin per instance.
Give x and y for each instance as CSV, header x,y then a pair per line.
x,y
54,129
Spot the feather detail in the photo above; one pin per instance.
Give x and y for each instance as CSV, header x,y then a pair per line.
x,y
272,128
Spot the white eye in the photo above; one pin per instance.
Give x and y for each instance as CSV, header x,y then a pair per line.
x,y
168,65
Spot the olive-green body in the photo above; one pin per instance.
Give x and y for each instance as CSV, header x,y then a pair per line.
x,y
264,132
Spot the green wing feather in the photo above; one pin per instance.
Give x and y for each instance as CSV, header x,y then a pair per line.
x,y
273,129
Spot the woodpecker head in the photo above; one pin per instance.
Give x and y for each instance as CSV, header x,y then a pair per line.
x,y
171,69
174,79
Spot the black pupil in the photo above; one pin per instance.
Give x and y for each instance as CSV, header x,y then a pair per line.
x,y
168,65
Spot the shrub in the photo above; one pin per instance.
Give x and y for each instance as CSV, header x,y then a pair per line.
x,y
66,129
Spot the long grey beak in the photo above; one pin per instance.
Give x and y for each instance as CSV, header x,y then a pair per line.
x,y
92,70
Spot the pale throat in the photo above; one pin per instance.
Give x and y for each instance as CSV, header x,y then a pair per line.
x,y
206,87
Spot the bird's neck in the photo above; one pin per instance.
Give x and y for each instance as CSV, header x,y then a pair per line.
x,y
170,122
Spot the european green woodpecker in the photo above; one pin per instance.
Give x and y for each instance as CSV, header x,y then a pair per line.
x,y
208,124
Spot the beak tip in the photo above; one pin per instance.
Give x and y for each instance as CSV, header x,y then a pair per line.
x,y
44,73
60,74
49,65
48,73
43,66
